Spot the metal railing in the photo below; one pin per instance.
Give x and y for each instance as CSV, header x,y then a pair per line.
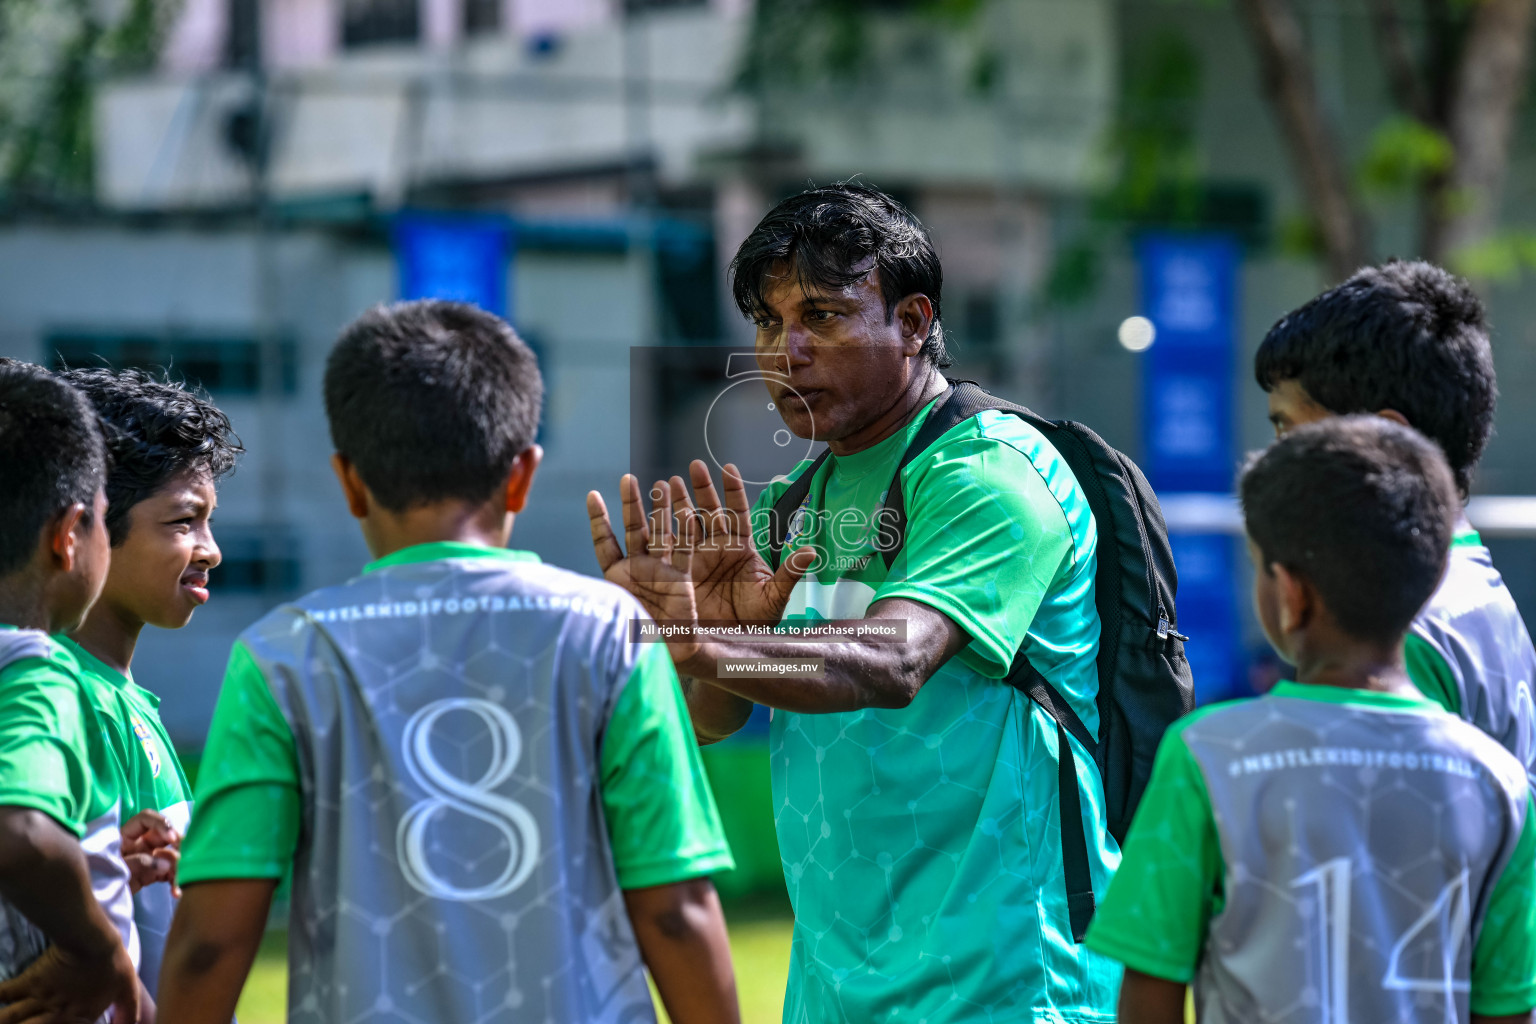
x,y
1493,515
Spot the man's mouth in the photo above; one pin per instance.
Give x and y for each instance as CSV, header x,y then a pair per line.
x,y
800,397
196,585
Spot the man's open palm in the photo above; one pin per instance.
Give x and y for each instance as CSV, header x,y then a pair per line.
x,y
655,570
732,582
691,564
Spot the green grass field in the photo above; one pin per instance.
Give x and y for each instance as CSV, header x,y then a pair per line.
x,y
759,943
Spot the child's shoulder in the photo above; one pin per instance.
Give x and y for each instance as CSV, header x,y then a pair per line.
x,y
35,653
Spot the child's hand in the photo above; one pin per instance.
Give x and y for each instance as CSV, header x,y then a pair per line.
x,y
61,986
151,849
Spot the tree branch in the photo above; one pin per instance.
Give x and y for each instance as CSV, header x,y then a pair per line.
x,y
1488,87
1397,53
1289,85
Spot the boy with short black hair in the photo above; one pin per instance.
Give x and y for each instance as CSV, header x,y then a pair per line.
x,y
66,922
1409,341
169,447
1339,849
491,799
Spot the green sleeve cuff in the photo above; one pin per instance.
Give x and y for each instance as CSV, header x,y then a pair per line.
x,y
1134,955
34,802
674,870
1504,1003
988,652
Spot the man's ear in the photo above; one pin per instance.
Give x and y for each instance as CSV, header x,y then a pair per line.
x,y
1296,601
1394,416
915,315
358,498
521,480
63,543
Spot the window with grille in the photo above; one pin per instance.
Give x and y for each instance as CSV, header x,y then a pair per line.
x,y
370,22
229,366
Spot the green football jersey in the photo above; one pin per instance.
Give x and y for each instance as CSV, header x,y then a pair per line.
x,y
464,760
150,777
1321,854
921,846
55,758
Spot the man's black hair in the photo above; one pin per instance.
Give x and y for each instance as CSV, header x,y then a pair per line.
x,y
156,429
1403,336
432,401
1364,509
51,457
834,236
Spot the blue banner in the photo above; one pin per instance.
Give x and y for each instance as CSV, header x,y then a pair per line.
x,y
463,258
1189,292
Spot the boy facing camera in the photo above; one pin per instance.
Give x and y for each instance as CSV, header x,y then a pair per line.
x,y
66,923
491,800
169,447
1341,848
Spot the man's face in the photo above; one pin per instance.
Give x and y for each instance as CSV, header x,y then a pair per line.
x,y
1290,407
160,571
847,361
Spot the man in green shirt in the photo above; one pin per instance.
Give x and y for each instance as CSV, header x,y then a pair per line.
x,y
915,791
1340,848
1410,342
66,926
169,448
489,797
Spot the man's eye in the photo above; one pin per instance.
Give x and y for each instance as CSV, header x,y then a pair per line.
x,y
763,323
820,314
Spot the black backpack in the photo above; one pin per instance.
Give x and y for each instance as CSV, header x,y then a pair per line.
x,y
1144,678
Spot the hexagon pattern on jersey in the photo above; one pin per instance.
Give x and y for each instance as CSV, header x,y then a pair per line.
x,y
445,714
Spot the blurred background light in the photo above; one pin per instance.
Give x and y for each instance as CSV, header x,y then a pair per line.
x,y
1137,333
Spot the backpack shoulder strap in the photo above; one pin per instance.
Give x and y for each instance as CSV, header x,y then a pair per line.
x,y
963,400
779,515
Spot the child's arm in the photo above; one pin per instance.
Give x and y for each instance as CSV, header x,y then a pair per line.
x,y
213,942
681,932
1148,1000
43,874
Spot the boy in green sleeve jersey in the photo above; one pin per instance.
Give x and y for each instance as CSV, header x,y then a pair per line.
x,y
169,448
66,925
490,797
1410,342
1341,848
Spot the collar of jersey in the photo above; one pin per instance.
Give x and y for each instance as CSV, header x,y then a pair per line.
x,y
1468,538
438,550
1356,698
94,665
879,455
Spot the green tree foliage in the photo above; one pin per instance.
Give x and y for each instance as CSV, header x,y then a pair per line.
x,y
51,53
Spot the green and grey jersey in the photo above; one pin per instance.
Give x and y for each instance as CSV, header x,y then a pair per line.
x,y
149,778
54,759
1468,650
1322,855
465,761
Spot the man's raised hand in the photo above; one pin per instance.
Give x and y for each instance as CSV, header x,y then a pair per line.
x,y
731,581
656,568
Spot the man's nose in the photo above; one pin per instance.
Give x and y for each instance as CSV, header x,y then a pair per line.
x,y
797,344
